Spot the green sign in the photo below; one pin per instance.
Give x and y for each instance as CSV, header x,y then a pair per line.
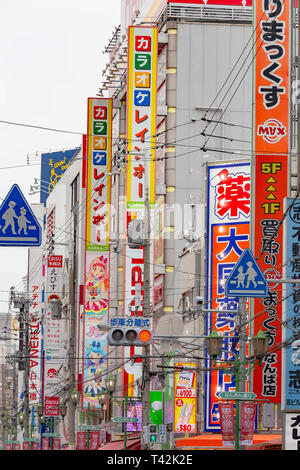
x,y
50,434
156,407
88,427
124,419
237,395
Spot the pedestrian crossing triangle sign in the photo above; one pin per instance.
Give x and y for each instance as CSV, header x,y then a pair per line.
x,y
18,224
246,279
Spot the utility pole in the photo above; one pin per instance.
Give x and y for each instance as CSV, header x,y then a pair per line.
x,y
3,378
72,380
147,313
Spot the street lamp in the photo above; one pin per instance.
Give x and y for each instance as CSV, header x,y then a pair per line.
x,y
214,345
40,412
260,344
111,383
63,410
75,397
102,398
21,419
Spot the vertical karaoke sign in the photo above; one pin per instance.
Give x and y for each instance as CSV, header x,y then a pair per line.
x,y
271,163
140,168
97,259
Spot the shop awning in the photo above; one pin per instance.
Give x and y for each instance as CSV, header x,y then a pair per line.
x,y
214,441
132,444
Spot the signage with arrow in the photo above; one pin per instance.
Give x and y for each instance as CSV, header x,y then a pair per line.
x,y
237,395
124,419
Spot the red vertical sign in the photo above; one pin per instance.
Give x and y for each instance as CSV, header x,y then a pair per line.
x,y
94,440
271,141
81,440
227,423
247,423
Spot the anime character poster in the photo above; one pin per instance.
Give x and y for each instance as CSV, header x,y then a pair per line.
x,y
96,312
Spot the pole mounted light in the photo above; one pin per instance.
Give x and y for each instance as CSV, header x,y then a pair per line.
x,y
102,398
75,397
63,410
21,419
214,345
111,383
260,344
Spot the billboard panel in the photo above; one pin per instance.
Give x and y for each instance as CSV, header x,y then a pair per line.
x,y
271,163
228,235
97,257
185,398
53,166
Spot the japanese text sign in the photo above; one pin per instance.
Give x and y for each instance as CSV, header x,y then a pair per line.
x,y
98,167
291,308
228,235
185,397
271,162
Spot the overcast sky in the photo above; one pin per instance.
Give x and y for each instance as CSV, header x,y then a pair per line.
x,y
51,61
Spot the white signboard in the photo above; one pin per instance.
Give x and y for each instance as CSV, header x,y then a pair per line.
x,y
292,431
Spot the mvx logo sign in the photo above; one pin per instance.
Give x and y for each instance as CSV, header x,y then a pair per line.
x,y
272,131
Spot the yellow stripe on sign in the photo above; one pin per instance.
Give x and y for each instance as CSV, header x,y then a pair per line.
x,y
89,170
153,113
130,385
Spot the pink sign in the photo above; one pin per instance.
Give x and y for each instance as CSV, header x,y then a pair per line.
x,y
7,447
94,440
56,443
81,440
247,423
227,423
45,443
26,445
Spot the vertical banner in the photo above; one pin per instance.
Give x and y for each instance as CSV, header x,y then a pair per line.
x,y
97,259
81,440
228,235
247,421
270,184
45,443
94,440
35,288
185,400
227,424
54,351
140,169
291,308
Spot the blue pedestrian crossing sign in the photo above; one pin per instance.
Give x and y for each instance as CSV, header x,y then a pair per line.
x,y
246,279
18,224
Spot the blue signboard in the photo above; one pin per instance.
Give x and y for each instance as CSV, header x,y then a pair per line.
x,y
18,224
53,166
246,279
291,354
